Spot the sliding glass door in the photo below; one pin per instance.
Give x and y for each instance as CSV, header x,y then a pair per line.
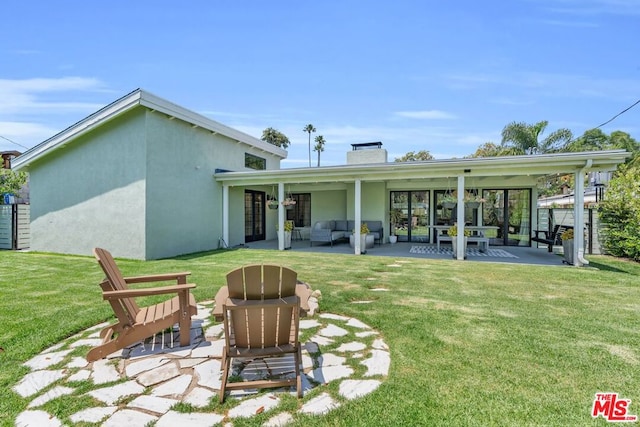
x,y
510,211
413,207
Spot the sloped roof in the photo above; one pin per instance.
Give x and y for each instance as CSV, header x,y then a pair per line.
x,y
128,102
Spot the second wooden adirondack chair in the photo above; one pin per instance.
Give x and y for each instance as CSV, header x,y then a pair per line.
x,y
261,319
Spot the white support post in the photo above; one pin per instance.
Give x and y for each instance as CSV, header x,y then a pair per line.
x,y
578,223
281,212
460,249
358,219
225,214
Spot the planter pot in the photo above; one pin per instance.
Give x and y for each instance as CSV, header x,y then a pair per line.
x,y
289,207
287,239
473,205
273,205
449,205
454,245
567,249
366,242
393,239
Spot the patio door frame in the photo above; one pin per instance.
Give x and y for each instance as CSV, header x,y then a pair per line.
x,y
254,215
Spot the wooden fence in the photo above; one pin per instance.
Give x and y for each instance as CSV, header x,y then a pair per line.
x,y
14,226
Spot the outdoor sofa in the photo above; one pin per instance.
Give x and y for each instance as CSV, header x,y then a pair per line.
x,y
334,230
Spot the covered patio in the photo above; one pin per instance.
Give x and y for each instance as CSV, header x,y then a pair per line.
x,y
366,191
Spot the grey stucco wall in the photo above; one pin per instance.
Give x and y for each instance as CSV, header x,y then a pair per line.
x,y
91,193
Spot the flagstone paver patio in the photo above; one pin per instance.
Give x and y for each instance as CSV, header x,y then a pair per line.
x,y
141,384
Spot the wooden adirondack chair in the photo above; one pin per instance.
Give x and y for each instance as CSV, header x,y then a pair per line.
x,y
261,319
135,323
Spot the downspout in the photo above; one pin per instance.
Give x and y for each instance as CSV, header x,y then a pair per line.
x,y
578,212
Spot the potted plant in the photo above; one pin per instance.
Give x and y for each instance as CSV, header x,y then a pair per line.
x,y
453,232
273,204
288,203
365,238
395,217
472,200
567,245
449,200
288,228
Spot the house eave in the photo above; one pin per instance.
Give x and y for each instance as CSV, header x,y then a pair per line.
x,y
532,165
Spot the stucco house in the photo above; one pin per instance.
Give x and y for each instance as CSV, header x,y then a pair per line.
x,y
149,179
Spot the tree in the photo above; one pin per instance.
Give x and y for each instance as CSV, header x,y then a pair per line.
x,y
591,140
488,149
275,137
309,128
319,147
620,214
414,157
521,138
11,182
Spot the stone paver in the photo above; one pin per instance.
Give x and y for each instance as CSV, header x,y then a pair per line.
x,y
158,376
352,389
93,415
255,406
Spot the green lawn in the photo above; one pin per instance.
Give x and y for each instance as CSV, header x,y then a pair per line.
x,y
471,343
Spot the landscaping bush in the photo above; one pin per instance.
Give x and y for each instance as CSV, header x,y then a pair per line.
x,y
620,214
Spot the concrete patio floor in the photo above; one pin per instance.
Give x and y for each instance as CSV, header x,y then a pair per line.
x,y
503,254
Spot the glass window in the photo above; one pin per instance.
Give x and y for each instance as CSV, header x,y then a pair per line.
x,y
254,162
300,213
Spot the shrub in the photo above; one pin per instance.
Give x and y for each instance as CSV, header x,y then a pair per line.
x,y
620,214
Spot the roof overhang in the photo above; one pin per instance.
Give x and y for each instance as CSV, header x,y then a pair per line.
x,y
135,99
534,166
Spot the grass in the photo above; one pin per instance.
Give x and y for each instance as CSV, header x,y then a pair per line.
x,y
471,343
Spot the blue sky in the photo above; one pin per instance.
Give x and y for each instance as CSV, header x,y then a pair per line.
x,y
417,75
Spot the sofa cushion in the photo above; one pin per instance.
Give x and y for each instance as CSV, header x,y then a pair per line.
x,y
320,225
342,225
351,226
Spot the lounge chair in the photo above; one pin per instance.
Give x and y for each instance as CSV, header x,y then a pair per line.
x,y
261,319
135,323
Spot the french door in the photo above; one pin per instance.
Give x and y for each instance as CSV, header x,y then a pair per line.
x,y
254,220
413,207
510,211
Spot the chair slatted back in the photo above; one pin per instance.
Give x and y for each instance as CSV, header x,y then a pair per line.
x,y
125,309
257,282
253,324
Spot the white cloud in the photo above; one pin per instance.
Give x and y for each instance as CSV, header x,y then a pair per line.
x,y
25,96
426,114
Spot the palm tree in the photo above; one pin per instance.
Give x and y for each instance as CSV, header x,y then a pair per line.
x,y
309,128
319,147
522,138
275,137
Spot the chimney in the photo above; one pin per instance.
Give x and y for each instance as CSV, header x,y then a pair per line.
x,y
366,153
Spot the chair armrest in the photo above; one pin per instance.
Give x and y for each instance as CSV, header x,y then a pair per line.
x,y
132,293
158,277
221,297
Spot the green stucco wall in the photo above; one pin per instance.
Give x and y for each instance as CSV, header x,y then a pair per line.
x,y
140,185
92,192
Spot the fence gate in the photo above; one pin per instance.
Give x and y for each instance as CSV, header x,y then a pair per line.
x,y
14,226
